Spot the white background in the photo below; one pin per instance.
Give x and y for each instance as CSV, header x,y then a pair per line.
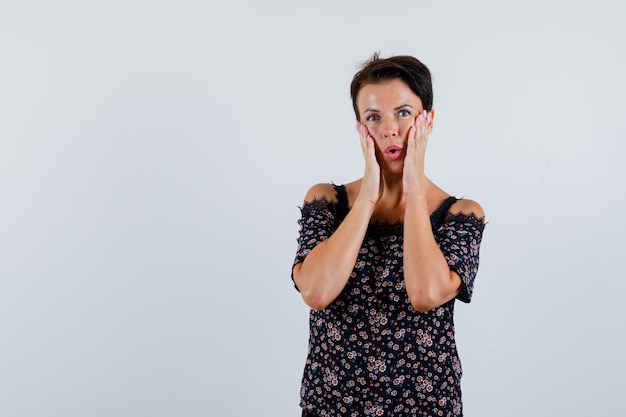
x,y
153,155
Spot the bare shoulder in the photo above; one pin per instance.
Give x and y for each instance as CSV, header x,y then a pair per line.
x,y
320,191
467,206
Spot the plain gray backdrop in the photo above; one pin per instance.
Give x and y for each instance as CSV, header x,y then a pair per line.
x,y
153,155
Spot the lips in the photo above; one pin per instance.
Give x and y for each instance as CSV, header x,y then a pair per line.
x,y
393,152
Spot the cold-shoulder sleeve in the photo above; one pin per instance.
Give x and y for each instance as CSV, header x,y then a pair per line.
x,y
459,239
317,223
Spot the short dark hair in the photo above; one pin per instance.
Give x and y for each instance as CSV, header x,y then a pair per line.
x,y
406,68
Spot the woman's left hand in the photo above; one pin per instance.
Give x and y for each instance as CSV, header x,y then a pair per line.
x,y
413,178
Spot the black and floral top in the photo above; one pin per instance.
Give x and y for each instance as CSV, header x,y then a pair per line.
x,y
370,352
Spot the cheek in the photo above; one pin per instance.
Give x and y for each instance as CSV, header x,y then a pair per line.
x,y
376,134
377,144
373,129
405,129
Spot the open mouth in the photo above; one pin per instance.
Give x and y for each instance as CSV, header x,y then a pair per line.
x,y
393,151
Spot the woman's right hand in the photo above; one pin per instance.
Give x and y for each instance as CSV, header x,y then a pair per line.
x,y
372,185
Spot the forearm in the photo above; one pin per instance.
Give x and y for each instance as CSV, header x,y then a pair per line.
x,y
327,268
428,279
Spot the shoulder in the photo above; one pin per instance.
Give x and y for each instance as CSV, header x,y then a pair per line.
x,y
320,192
466,206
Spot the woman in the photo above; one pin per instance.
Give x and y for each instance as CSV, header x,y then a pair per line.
x,y
381,260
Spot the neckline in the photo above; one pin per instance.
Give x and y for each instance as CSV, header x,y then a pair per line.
x,y
437,214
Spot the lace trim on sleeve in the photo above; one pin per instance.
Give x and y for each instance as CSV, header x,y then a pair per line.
x,y
322,203
317,223
471,218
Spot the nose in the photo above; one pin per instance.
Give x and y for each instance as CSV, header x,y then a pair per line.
x,y
390,129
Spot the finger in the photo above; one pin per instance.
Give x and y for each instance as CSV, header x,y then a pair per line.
x,y
418,127
363,131
362,137
412,138
371,148
368,150
422,126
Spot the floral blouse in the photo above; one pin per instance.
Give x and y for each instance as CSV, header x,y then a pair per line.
x,y
370,352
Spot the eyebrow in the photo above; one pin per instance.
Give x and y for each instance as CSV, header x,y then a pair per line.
x,y
397,108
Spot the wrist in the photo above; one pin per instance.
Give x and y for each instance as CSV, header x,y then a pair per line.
x,y
362,203
416,196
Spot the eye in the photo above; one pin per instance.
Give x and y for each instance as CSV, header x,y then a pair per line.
x,y
372,118
404,113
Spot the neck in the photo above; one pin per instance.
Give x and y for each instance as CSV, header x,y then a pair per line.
x,y
393,190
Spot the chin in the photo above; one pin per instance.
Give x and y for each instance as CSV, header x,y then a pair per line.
x,y
394,168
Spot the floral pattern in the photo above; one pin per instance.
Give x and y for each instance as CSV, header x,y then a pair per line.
x,y
370,352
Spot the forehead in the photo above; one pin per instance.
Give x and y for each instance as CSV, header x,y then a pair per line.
x,y
390,93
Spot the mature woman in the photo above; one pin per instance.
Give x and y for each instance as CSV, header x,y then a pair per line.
x,y
381,260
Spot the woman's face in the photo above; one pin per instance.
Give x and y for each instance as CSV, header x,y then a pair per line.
x,y
388,110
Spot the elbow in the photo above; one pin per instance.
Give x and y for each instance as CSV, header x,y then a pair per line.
x,y
423,307
426,297
423,301
317,297
316,301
